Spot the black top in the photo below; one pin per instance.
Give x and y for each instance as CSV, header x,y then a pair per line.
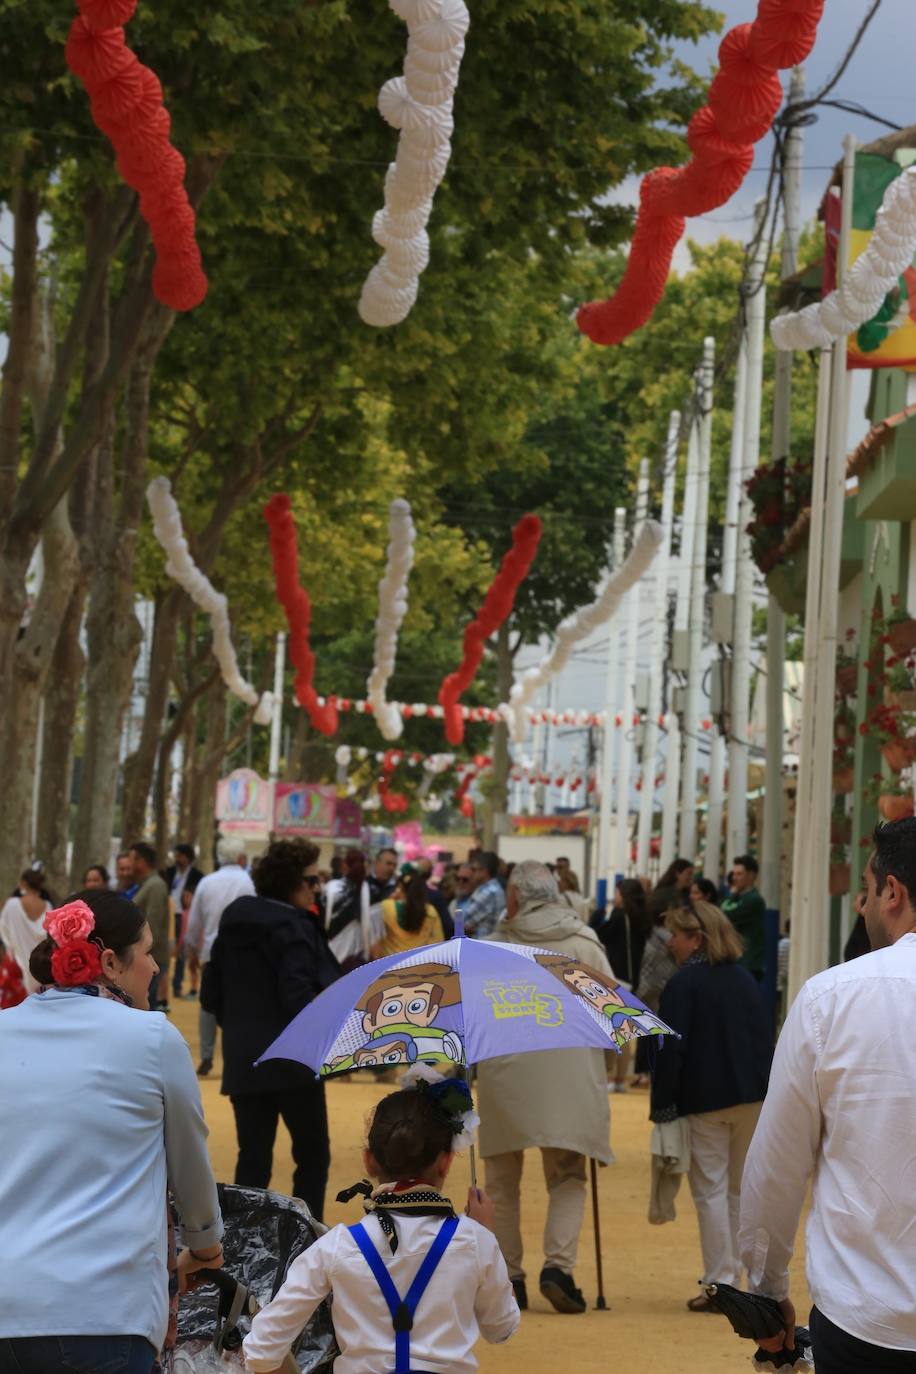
x,y
624,949
726,1046
379,891
438,903
858,942
268,961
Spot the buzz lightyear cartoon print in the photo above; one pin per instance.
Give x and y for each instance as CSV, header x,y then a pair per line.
x,y
627,1015
406,1016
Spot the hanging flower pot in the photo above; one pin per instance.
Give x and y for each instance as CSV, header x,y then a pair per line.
x,y
843,780
906,700
894,807
840,879
840,829
902,636
898,753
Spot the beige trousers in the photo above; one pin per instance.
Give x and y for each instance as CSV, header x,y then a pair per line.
x,y
564,1174
719,1142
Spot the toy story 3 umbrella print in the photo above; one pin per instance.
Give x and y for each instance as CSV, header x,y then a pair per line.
x,y
458,1003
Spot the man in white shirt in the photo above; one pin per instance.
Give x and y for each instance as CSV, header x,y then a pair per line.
x,y
841,1108
213,894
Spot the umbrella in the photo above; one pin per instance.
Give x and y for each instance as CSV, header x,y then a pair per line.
x,y
461,1002
756,1318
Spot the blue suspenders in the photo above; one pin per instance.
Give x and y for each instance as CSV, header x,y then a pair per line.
x,y
402,1309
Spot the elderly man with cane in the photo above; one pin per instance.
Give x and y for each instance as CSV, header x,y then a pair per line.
x,y
841,1109
555,1101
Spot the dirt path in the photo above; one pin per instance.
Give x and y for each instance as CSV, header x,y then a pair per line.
x,y
650,1271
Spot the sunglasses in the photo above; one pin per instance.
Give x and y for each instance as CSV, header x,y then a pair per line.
x,y
313,880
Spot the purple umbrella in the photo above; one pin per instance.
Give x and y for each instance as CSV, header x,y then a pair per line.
x,y
459,1003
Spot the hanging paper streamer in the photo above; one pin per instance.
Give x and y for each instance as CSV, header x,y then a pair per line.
x,y
872,277
181,566
392,608
295,601
419,105
496,608
126,102
743,100
579,626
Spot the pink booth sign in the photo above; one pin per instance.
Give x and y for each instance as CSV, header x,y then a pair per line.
x,y
243,801
304,808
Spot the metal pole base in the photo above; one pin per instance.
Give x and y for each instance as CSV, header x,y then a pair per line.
x,y
601,1304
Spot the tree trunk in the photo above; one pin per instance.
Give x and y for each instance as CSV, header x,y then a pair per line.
x,y
31,663
497,803
112,629
207,770
176,727
61,703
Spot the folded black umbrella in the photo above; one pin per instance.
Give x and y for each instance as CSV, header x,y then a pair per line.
x,y
757,1319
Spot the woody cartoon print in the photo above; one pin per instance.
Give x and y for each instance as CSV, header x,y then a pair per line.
x,y
407,1015
628,1016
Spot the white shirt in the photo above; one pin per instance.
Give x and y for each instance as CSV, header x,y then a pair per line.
x,y
468,1296
841,1106
21,934
213,895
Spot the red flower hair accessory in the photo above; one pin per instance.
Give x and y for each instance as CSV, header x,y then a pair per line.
x,y
74,921
77,959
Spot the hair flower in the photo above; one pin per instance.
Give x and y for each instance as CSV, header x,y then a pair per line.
x,y
453,1098
76,963
66,924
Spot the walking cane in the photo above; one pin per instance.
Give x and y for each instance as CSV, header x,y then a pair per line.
x,y
601,1301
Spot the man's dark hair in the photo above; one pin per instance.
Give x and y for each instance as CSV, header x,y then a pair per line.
x,y
747,861
894,855
280,870
186,849
144,851
386,849
488,860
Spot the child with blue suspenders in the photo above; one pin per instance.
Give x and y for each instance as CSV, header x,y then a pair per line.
x,y
413,1285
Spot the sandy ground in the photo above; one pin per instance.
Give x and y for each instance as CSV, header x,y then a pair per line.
x,y
649,1271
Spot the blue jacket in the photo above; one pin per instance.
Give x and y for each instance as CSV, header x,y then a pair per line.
x,y
726,1047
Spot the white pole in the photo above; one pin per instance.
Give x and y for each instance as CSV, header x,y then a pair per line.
x,y
605,864
276,721
801,854
712,853
771,866
688,532
629,617
735,467
693,695
657,650
672,791
813,938
739,730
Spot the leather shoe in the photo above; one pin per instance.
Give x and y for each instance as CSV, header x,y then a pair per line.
x,y
521,1294
205,1068
559,1290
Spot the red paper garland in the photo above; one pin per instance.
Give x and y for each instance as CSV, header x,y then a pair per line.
x,y
743,100
497,606
295,601
126,102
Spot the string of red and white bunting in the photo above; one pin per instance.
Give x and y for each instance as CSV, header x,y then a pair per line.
x,y
489,715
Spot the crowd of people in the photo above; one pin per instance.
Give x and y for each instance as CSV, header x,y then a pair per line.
x,y
259,942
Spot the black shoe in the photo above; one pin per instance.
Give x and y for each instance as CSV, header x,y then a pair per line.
x,y
521,1294
205,1068
559,1289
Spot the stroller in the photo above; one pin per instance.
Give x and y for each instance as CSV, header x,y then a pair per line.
x,y
264,1233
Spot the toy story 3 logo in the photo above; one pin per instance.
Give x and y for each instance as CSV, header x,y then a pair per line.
x,y
408,1015
511,1000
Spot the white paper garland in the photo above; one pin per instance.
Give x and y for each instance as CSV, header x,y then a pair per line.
x,y
181,566
419,105
579,626
873,275
392,608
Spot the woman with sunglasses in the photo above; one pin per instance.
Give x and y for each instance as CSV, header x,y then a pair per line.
x,y
269,960
715,1075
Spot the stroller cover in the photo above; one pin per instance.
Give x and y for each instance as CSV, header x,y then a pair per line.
x,y
264,1233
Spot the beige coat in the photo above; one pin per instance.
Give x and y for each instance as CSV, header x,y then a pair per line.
x,y
555,1098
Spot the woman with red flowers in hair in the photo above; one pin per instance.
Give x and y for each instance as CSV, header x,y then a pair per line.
x,y
100,1108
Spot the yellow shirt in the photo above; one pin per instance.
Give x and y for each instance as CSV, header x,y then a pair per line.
x,y
396,940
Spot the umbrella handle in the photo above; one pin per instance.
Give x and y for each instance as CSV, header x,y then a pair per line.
x,y
473,1164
